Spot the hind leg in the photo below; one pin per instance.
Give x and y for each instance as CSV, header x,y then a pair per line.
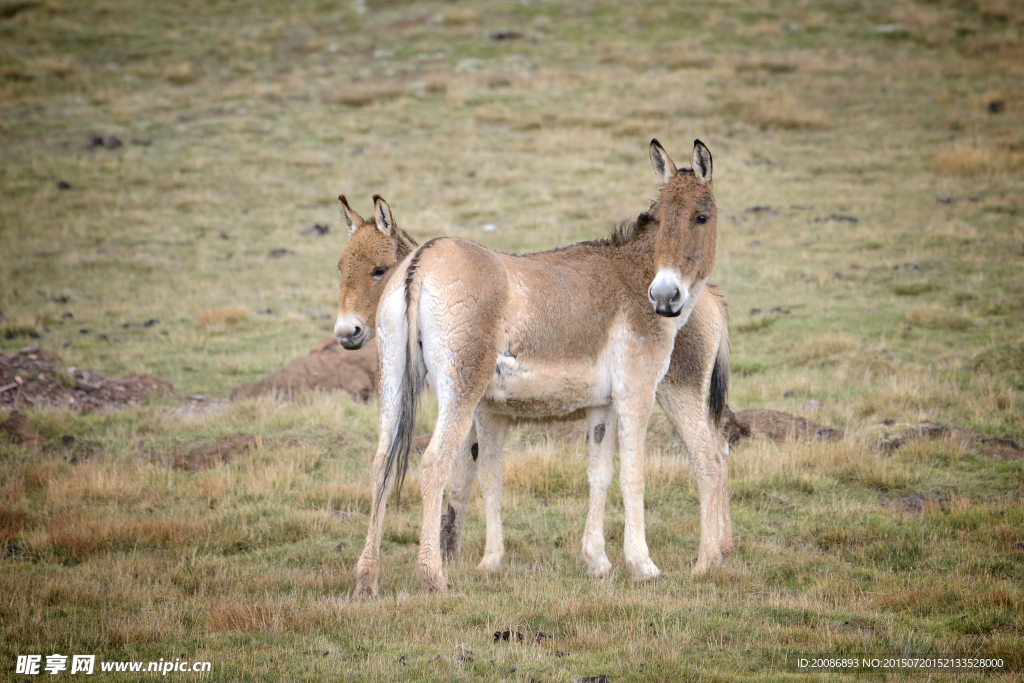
x,y
368,567
459,493
491,429
707,451
453,425
602,425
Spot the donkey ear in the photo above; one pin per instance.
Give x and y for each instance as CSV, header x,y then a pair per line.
x,y
701,162
349,217
382,213
662,162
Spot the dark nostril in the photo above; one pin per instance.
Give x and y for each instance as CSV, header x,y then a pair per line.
x,y
355,333
677,296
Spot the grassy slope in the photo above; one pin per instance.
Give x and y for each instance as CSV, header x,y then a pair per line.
x,y
259,115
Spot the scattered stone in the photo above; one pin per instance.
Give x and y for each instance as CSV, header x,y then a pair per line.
x,y
105,141
280,253
22,430
996,107
328,367
63,185
60,300
68,316
600,678
541,637
506,35
943,198
755,311
760,208
151,322
463,654
317,229
510,636
558,653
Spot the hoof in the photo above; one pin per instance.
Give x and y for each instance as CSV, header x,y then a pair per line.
x,y
601,569
490,563
365,590
646,571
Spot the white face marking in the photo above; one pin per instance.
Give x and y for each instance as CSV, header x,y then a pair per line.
x,y
346,326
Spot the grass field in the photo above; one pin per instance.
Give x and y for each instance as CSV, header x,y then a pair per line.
x,y
869,170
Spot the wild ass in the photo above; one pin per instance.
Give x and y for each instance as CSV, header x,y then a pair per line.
x,y
550,358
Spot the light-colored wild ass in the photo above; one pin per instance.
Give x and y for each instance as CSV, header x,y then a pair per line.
x,y
487,330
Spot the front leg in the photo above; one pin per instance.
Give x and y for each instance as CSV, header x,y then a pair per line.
x,y
633,417
602,427
491,430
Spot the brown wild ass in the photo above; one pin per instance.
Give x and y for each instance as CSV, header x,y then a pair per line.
x,y
460,310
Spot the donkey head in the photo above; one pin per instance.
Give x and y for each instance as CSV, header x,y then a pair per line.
x,y
373,251
687,231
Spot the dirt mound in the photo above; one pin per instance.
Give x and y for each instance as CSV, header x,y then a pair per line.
x,y
22,430
777,426
37,377
988,446
212,453
328,367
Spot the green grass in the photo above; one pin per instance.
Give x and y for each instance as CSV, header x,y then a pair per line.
x,y
242,122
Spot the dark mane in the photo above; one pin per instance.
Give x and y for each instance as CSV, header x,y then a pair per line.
x,y
625,233
404,245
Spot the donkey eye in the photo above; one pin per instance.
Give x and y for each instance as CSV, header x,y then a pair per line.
x,y
701,219
378,272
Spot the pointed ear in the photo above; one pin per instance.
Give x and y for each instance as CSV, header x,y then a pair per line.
x,y
349,217
662,162
701,162
382,214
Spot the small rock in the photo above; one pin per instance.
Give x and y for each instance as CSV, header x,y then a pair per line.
x,y
315,229
510,636
996,107
84,330
67,439
223,235
600,678
68,316
943,198
761,208
60,300
63,185
755,311
106,141
505,35
151,322
541,637
280,253
489,227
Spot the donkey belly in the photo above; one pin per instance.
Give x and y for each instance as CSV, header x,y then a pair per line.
x,y
542,390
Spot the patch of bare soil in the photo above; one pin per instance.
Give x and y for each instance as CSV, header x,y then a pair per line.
x,y
22,430
987,446
212,453
328,367
38,377
778,426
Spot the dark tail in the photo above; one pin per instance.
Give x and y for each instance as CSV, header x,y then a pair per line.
x,y
720,375
409,394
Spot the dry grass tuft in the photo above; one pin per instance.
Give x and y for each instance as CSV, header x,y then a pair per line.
x,y
969,160
825,346
223,316
179,74
934,316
